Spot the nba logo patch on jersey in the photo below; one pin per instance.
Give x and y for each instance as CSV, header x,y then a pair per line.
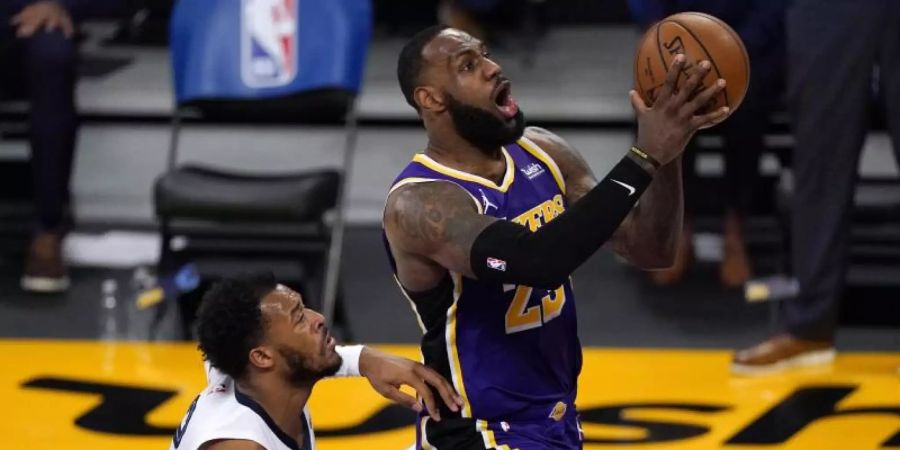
x,y
268,42
497,264
559,411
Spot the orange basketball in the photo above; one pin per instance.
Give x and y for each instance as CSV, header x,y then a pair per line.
x,y
698,36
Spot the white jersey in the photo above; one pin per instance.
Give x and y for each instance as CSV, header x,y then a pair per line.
x,y
222,412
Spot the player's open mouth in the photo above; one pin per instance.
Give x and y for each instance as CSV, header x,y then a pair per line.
x,y
504,100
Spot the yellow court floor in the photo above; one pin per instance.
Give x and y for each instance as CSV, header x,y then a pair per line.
x,y
99,395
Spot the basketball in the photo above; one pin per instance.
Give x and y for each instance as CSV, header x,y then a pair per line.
x,y
699,37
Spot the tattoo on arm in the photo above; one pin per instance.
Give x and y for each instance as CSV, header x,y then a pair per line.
x,y
575,170
435,220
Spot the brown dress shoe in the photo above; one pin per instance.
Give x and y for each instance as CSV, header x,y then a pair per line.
x,y
44,269
781,352
734,270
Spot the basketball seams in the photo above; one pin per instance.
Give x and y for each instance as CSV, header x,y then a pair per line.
x,y
737,39
637,63
695,26
711,60
659,48
734,36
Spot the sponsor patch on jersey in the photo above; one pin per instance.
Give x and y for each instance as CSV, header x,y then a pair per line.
x,y
532,171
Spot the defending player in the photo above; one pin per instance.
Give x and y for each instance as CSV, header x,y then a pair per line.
x,y
265,350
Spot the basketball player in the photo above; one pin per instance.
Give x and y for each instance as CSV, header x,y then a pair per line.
x,y
485,226
264,352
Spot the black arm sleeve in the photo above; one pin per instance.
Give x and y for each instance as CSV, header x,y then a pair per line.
x,y
506,252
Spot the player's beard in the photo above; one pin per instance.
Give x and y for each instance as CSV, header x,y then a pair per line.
x,y
301,373
482,128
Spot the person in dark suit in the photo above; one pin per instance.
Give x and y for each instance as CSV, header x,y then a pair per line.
x,y
843,55
39,57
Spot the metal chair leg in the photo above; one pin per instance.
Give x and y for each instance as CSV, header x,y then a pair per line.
x,y
333,265
172,157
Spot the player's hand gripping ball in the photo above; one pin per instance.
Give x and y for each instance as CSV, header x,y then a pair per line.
x,y
698,37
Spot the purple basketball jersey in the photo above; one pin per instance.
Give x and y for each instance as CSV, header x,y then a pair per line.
x,y
511,351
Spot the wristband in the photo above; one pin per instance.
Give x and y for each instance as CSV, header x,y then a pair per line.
x,y
349,360
641,154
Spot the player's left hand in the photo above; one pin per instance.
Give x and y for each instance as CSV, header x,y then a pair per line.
x,y
46,14
386,373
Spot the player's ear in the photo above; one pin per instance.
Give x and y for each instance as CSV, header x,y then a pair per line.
x,y
429,99
262,357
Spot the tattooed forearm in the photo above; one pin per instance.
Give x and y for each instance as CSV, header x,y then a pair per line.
x,y
655,225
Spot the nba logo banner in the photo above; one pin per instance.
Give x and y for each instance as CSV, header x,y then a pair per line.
x,y
268,42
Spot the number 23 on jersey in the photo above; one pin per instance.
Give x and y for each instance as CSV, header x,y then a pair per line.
x,y
521,317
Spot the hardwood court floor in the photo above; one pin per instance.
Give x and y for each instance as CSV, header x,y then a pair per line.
x,y
106,395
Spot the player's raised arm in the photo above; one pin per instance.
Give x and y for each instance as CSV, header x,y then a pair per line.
x,y
436,225
647,236
433,227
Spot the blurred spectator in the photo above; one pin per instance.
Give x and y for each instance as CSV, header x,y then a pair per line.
x,y
838,51
760,24
38,56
